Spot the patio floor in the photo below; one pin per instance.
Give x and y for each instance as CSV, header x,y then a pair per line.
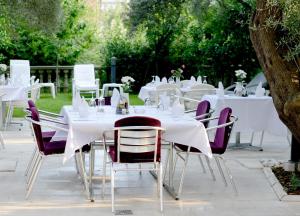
x,y
58,190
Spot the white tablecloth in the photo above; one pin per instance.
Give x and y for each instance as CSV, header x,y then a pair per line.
x,y
254,113
183,129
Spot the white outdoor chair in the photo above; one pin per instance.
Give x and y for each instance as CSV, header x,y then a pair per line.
x,y
19,77
84,79
196,93
167,88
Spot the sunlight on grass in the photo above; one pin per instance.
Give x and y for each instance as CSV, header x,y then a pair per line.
x,y
46,102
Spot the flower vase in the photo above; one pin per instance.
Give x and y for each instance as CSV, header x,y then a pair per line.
x,y
239,89
177,80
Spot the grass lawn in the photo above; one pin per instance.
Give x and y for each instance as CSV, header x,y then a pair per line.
x,y
46,102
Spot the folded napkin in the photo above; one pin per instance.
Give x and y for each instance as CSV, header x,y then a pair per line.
x,y
177,108
164,80
115,98
220,90
260,91
193,79
157,79
164,101
76,102
199,79
83,109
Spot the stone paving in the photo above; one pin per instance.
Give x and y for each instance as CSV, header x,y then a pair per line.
x,y
58,189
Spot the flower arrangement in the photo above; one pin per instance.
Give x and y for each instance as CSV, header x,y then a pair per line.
x,y
240,75
3,68
178,72
127,83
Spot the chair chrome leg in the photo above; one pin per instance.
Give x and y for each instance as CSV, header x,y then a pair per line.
x,y
202,164
32,169
221,170
31,183
31,160
91,171
174,165
166,165
140,168
161,186
82,166
261,138
210,169
77,164
230,177
112,172
104,171
183,173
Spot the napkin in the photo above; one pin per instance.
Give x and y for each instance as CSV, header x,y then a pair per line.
x,y
76,101
157,79
177,108
115,98
260,91
193,79
199,79
83,109
164,100
164,80
220,90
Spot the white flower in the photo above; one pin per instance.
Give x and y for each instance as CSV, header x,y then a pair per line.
x,y
127,79
240,74
3,67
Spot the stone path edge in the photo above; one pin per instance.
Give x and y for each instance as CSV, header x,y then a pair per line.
x,y
277,187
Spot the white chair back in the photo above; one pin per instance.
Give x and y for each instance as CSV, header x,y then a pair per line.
x,y
84,74
169,89
20,73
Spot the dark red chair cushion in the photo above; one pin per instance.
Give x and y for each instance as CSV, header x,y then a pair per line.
x,y
47,135
203,108
55,147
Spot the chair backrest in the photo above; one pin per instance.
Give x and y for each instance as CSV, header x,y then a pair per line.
x,y
203,107
223,134
31,104
20,73
84,74
203,86
185,83
137,140
37,128
109,87
168,89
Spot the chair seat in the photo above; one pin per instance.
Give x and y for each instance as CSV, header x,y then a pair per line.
x,y
47,135
55,147
214,149
131,157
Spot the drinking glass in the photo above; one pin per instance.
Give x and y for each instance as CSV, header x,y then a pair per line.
x,y
204,80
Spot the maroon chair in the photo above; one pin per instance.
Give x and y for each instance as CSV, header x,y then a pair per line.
x,y
45,148
137,140
218,146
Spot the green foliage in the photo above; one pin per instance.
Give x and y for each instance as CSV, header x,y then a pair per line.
x,y
295,182
45,32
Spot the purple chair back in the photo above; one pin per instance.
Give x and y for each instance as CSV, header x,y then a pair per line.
x,y
223,134
31,104
138,157
203,108
37,129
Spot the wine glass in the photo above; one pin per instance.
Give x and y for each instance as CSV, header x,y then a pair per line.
x,y
204,80
92,100
153,79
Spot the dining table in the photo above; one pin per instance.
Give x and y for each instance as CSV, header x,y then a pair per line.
x,y
9,94
255,114
182,129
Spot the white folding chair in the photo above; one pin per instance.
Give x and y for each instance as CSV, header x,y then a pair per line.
x,y
84,79
166,88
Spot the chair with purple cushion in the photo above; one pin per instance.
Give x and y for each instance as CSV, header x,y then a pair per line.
x,y
45,149
218,146
137,140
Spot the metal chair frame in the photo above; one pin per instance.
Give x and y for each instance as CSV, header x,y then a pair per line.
x,y
157,165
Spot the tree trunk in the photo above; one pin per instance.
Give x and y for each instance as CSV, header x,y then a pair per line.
x,y
282,75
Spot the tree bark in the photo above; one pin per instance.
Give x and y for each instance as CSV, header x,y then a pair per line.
x,y
282,75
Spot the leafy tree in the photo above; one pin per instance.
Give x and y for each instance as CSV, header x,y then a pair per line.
x,y
275,36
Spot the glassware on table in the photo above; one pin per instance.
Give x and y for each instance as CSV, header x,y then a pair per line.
x,y
99,102
204,81
92,101
171,79
153,79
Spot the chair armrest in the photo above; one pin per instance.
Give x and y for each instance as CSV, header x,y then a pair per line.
x,y
55,127
233,120
45,118
50,113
